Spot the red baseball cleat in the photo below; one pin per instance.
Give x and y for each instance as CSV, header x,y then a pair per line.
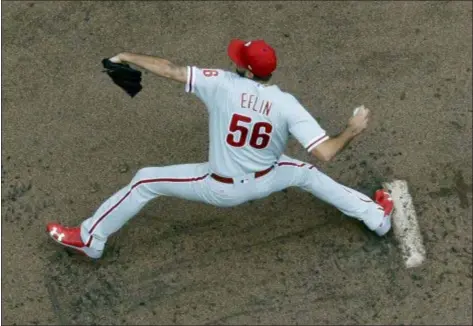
x,y
70,237
383,199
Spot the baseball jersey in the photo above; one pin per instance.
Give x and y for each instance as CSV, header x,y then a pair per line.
x,y
249,123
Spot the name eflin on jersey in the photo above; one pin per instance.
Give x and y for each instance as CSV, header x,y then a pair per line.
x,y
252,102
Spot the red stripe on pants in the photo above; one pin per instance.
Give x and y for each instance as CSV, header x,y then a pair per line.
x,y
291,164
366,201
129,192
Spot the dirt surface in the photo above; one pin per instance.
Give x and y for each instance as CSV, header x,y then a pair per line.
x,y
70,138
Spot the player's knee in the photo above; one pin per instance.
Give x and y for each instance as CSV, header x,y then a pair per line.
x,y
143,174
141,185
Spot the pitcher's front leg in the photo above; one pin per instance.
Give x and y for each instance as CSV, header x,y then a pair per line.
x,y
182,181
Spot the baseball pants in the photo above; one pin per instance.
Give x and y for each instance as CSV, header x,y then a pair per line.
x,y
194,182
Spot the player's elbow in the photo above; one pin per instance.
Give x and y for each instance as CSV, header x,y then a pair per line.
x,y
323,156
175,72
325,151
328,157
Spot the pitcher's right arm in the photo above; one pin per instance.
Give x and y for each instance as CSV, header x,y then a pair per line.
x,y
332,146
315,139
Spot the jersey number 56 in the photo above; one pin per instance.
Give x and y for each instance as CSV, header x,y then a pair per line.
x,y
260,133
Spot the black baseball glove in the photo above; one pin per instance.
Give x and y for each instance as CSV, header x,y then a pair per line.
x,y
123,75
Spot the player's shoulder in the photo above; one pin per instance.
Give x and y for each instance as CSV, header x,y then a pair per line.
x,y
288,99
211,72
290,105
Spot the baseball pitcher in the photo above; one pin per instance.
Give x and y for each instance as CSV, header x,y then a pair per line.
x,y
250,121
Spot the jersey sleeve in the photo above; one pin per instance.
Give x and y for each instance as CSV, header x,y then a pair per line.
x,y
204,83
304,127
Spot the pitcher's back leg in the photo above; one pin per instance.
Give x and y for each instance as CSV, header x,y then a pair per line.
x,y
294,173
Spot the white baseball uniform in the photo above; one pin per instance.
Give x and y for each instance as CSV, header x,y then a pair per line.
x,y
249,126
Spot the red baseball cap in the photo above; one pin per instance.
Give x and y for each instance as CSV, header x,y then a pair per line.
x,y
257,56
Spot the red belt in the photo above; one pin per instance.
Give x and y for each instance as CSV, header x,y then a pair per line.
x,y
230,180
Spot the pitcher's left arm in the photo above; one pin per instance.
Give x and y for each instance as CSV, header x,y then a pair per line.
x,y
158,66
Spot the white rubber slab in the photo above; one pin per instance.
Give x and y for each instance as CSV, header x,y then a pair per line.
x,y
405,224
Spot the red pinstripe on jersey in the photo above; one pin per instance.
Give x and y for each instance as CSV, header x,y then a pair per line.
x,y
190,79
316,142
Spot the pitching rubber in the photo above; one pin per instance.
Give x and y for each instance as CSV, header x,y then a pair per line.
x,y
405,225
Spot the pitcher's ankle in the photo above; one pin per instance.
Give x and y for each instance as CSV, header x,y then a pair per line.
x,y
93,241
385,226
